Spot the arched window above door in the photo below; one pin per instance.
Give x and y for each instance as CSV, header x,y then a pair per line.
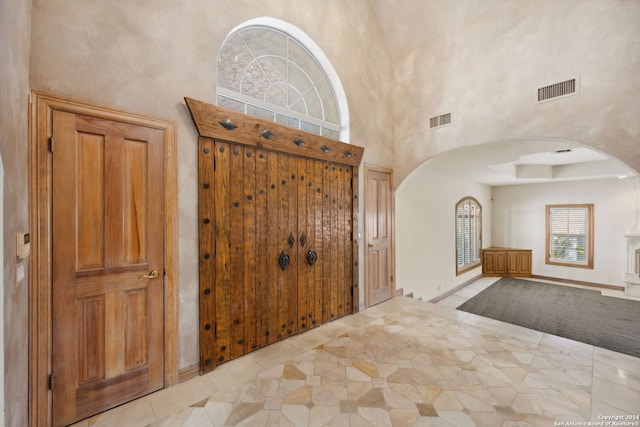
x,y
272,70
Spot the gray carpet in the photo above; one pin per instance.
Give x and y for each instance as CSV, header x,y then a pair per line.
x,y
578,314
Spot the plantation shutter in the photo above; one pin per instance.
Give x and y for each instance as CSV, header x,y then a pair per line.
x,y
568,234
468,233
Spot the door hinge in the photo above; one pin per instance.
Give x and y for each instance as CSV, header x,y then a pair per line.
x,y
51,144
51,382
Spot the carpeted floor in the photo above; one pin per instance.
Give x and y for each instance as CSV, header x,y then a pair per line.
x,y
578,314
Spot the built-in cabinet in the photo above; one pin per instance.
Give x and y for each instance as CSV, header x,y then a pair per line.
x,y
277,210
506,262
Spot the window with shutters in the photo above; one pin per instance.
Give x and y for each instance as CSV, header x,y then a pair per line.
x,y
468,234
569,240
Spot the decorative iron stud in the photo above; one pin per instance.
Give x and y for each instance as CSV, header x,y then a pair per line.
x,y
267,134
299,142
227,124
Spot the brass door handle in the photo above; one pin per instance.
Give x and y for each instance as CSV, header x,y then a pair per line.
x,y
153,274
371,245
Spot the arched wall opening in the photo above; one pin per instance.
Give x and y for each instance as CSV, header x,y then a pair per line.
x,y
513,180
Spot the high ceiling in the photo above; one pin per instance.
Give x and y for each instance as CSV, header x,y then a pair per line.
x,y
526,161
399,19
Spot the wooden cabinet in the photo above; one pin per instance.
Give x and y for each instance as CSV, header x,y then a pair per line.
x,y
277,209
506,262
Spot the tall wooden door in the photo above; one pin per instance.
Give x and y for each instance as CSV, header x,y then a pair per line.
x,y
378,235
279,232
107,251
276,211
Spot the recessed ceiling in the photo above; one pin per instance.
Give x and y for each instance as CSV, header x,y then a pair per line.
x,y
528,161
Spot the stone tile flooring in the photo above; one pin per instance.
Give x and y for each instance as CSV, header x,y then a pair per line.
x,y
402,363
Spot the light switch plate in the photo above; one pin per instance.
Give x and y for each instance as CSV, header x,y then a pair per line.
x,y
23,245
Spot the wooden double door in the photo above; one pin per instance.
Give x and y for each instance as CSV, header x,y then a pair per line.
x,y
281,234
277,249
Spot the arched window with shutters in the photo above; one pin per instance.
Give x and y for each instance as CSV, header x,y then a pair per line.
x,y
272,70
468,234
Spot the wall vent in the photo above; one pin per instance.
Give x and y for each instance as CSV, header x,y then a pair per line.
x,y
443,120
556,90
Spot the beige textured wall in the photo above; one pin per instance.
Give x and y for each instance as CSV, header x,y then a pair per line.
x,y
485,65
146,55
15,35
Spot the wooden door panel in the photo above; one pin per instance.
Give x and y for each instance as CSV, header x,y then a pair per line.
x,y
306,231
316,204
263,278
379,229
222,241
270,257
249,249
207,251
236,239
90,209
287,239
346,237
339,205
107,323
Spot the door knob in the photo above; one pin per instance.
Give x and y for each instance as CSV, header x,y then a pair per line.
x,y
153,274
371,245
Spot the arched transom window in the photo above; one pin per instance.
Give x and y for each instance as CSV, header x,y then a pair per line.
x,y
266,72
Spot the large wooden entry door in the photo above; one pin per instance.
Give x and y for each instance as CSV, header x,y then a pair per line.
x,y
281,238
107,273
378,235
276,215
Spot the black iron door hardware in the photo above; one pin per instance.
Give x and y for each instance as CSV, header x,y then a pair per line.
x,y
284,260
312,256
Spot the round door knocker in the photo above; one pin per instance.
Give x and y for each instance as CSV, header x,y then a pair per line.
x,y
284,260
312,257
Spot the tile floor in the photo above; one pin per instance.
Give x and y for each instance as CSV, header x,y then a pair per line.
x,y
403,363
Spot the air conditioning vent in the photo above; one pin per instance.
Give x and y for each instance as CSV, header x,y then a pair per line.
x,y
556,90
435,122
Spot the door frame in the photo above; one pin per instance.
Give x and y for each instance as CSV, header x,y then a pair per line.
x,y
392,245
42,105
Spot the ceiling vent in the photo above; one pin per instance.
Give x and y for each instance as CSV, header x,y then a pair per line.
x,y
438,121
557,90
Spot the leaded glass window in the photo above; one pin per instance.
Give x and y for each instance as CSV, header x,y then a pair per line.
x,y
266,73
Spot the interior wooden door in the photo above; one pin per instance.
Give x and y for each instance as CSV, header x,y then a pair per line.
x,y
107,251
378,235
